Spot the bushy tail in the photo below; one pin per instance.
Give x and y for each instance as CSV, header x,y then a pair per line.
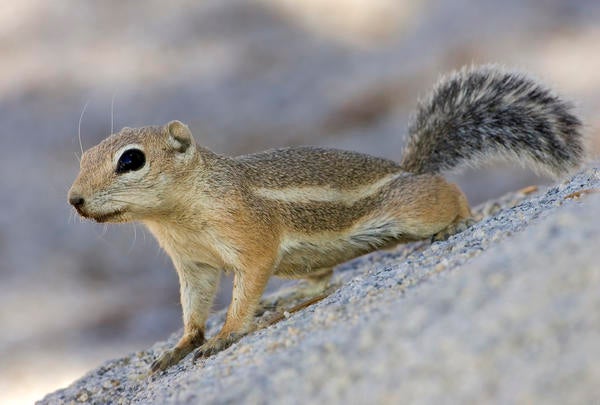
x,y
486,112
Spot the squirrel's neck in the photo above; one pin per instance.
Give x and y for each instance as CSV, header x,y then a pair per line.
x,y
200,190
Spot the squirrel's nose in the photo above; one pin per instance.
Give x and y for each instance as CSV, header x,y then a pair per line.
x,y
76,200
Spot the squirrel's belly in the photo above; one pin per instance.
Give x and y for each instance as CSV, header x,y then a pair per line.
x,y
303,257
300,255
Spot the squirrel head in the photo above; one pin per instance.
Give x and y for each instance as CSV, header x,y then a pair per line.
x,y
129,176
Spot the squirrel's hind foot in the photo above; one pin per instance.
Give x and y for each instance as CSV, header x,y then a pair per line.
x,y
453,229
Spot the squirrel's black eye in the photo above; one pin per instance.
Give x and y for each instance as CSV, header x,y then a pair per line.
x,y
131,160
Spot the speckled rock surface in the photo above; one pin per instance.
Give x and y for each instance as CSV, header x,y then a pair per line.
x,y
507,311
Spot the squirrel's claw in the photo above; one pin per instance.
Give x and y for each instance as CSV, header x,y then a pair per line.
x,y
215,345
453,229
166,360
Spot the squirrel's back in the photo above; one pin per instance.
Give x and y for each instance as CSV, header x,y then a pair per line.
x,y
298,212
488,112
309,166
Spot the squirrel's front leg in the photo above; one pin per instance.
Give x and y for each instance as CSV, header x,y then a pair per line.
x,y
248,287
198,285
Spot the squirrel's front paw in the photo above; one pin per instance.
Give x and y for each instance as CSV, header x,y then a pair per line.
x,y
215,345
166,360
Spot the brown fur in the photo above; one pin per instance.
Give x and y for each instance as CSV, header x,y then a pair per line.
x,y
212,213
293,212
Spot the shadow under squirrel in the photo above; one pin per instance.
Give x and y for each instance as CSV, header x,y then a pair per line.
x,y
297,212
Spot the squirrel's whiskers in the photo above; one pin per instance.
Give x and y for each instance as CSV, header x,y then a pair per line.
x,y
298,212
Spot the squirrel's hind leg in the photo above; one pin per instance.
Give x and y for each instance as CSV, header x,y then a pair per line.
x,y
463,220
426,206
312,284
317,282
453,229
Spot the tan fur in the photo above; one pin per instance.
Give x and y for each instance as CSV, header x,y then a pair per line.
x,y
293,213
298,212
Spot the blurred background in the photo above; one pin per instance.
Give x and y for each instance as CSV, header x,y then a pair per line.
x,y
246,76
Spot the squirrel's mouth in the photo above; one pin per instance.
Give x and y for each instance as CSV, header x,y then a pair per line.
x,y
110,217
114,216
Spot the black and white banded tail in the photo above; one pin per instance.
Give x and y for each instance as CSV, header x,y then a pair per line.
x,y
487,112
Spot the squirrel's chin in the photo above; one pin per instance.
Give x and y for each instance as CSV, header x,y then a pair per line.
x,y
114,217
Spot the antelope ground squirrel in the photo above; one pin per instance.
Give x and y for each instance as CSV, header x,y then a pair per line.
x,y
297,212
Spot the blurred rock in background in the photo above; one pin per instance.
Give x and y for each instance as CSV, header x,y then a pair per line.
x,y
246,76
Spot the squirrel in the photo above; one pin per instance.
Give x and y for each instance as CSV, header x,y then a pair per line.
x,y
297,212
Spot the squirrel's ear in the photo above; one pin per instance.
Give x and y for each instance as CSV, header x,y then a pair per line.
x,y
180,136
